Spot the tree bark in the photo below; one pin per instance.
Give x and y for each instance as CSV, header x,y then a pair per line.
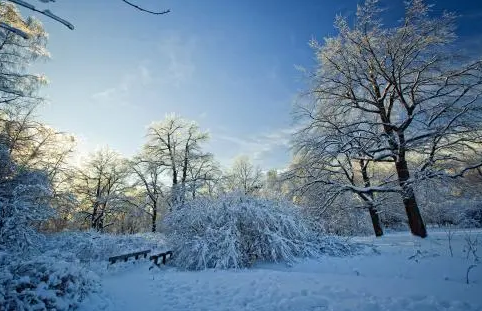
x,y
377,227
154,217
415,221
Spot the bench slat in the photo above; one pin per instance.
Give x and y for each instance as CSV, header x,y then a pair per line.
x,y
126,257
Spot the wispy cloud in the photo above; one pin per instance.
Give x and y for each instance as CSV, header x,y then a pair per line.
x,y
177,53
119,93
267,149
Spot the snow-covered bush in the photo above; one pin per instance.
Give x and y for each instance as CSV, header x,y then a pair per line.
x,y
24,200
43,284
472,214
234,231
92,246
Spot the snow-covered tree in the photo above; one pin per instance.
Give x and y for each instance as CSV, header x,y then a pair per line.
x,y
151,192
403,95
17,86
24,201
244,176
203,175
329,161
175,144
100,186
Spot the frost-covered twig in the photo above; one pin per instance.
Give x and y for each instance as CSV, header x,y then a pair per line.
x,y
468,271
471,248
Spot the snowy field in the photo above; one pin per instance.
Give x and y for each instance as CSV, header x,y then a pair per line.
x,y
396,272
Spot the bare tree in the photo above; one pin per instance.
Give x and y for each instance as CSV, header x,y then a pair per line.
x,y
411,95
244,176
148,176
203,174
100,186
175,144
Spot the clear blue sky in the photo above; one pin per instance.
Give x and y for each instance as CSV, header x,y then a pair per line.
x,y
229,65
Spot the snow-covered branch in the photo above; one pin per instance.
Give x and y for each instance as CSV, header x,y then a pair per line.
x,y
47,13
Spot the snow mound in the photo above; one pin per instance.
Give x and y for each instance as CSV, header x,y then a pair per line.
x,y
235,231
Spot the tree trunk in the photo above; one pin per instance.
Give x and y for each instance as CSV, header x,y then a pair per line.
x,y
415,221
94,216
154,217
377,227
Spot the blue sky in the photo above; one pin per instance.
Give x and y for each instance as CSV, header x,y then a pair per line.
x,y
229,65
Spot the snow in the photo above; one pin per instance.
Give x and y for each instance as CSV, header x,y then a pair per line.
x,y
397,272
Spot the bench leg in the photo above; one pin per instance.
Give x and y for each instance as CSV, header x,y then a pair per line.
x,y
163,259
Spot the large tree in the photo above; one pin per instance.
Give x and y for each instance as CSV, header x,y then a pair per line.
x,y
405,91
331,164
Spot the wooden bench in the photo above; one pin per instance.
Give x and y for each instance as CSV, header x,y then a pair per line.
x,y
155,258
126,257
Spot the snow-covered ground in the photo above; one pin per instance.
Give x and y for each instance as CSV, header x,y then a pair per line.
x,y
397,272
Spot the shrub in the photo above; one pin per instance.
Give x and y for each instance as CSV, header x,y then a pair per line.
x,y
234,231
92,246
43,284
472,216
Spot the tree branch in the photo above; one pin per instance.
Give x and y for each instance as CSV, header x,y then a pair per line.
x,y
144,10
47,13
